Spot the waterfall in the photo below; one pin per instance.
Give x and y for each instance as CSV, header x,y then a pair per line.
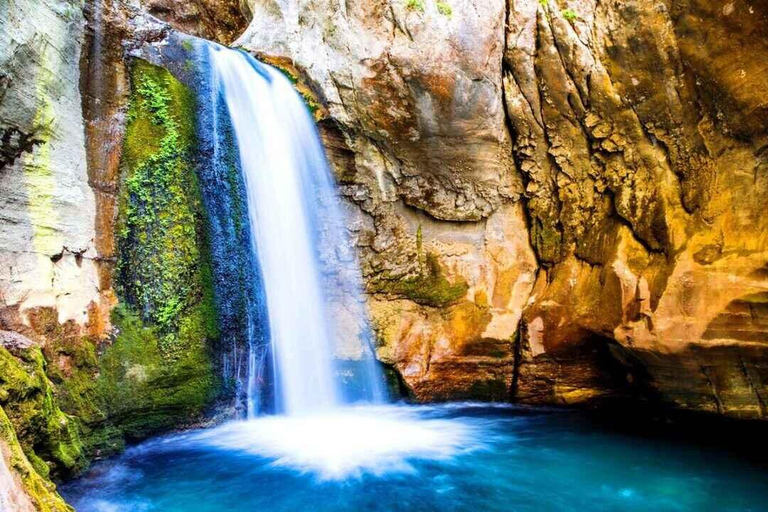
x,y
293,210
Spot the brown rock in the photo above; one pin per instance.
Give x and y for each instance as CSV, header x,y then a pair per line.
x,y
218,20
637,133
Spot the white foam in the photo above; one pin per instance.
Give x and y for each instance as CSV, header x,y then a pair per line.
x,y
348,442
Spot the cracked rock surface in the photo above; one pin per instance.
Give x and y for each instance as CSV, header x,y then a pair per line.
x,y
554,202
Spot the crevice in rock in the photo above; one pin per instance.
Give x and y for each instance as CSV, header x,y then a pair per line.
x,y
715,397
558,46
432,217
755,389
14,143
516,159
626,223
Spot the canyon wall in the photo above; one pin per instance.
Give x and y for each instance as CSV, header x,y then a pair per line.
x,y
47,251
48,259
554,201
99,206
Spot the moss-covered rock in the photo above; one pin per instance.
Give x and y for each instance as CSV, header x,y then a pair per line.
x,y
37,489
159,370
429,288
156,369
48,437
163,268
141,389
298,79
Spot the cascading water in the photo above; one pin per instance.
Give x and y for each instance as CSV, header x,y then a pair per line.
x,y
290,192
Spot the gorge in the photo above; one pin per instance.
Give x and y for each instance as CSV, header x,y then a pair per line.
x,y
259,229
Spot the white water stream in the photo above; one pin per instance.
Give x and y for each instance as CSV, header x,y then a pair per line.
x,y
291,196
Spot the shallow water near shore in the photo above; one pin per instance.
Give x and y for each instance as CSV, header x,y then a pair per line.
x,y
448,457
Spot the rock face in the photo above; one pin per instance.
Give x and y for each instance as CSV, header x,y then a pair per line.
x,y
216,20
47,252
421,88
36,437
95,205
418,140
554,202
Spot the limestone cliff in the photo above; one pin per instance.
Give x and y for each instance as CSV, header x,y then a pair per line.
x,y
554,201
216,20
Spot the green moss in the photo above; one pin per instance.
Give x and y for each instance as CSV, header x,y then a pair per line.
x,y
48,436
312,105
414,5
547,239
420,249
161,236
429,288
157,371
133,390
288,74
570,15
444,8
78,393
161,359
84,398
160,363
39,489
140,391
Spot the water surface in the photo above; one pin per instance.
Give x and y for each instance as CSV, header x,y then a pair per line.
x,y
447,458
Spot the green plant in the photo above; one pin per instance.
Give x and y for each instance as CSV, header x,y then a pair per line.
x,y
543,3
570,15
415,5
444,8
419,247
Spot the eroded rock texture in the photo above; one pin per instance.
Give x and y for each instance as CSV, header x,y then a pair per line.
x,y
217,20
554,201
